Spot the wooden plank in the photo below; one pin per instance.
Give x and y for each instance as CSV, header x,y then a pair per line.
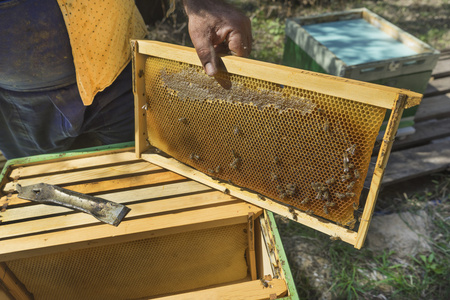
x,y
43,210
415,162
13,285
377,95
438,86
107,185
426,131
379,170
246,290
86,175
251,197
251,245
139,99
442,68
128,230
73,164
137,210
436,107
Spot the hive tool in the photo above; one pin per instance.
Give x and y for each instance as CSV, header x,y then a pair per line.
x,y
106,211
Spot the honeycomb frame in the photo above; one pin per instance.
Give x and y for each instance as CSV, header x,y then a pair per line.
x,y
321,106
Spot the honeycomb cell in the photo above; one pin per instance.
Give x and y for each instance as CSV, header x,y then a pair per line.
x,y
263,136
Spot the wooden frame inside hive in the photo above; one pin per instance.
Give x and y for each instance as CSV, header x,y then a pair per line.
x,y
323,102
180,238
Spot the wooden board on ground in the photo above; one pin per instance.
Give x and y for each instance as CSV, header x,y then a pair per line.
x,y
415,162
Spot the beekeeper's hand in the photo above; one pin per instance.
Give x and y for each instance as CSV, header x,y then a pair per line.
x,y
217,27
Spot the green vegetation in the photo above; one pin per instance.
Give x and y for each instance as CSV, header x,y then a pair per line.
x,y
368,274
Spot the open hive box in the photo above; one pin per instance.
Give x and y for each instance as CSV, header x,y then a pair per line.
x,y
181,239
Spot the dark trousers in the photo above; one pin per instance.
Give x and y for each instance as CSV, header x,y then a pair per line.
x,y
34,123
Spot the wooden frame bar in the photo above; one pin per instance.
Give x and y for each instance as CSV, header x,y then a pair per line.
x,y
380,166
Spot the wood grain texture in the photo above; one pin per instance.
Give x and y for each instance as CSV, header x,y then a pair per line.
x,y
246,290
72,164
373,94
128,230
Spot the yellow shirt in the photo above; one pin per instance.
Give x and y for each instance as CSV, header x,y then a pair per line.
x,y
100,33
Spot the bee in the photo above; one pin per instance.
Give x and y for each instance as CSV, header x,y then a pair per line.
x,y
309,212
345,177
319,195
325,209
350,194
351,166
315,186
226,191
305,201
273,176
237,131
346,163
355,206
351,149
330,204
145,106
323,188
325,195
194,156
235,163
210,171
350,185
346,160
276,160
280,189
339,195
356,173
282,195
326,126
264,282
351,224
235,155
291,210
330,181
218,169
182,120
291,189
334,238
261,197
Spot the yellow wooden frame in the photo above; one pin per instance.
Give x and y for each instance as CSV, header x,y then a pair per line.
x,y
376,95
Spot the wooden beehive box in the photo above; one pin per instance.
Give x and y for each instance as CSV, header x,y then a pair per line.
x,y
294,142
359,44
181,240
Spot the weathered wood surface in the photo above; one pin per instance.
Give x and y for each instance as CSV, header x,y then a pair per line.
x,y
427,150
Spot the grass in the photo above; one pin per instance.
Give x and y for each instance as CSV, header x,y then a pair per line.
x,y
368,274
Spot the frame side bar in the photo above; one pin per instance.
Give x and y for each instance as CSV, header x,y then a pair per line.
x,y
140,125
13,285
382,160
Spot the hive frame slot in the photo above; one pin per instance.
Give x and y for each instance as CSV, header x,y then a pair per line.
x,y
376,95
